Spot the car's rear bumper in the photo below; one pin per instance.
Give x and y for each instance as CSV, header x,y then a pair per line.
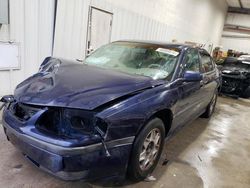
x,y
73,163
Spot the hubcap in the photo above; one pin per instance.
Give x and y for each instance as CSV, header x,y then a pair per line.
x,y
150,149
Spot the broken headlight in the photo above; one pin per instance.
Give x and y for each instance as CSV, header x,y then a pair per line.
x,y
66,122
101,127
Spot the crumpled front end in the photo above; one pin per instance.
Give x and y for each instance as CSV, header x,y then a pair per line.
x,y
65,142
231,85
235,83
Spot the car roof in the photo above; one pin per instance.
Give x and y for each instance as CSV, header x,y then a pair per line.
x,y
244,58
246,55
165,44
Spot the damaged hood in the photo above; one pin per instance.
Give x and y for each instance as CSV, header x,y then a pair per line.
x,y
235,67
231,71
76,85
234,70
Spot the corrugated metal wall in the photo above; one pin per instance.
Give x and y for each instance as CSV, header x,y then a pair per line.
x,y
237,40
71,28
31,25
163,20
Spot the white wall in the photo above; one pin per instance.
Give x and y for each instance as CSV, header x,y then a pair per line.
x,y
31,25
71,28
239,44
194,20
199,21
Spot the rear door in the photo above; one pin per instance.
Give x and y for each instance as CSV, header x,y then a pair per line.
x,y
208,84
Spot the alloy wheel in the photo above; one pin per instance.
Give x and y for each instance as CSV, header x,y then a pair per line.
x,y
150,149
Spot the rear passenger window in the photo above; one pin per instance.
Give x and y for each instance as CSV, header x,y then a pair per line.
x,y
206,63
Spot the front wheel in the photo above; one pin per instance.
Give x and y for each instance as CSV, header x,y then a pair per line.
x,y
210,108
147,150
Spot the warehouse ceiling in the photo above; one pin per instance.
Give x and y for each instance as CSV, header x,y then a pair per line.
x,y
239,6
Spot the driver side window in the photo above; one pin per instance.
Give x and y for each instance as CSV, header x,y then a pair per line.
x,y
192,61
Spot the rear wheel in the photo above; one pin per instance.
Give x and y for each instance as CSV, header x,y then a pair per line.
x,y
210,108
147,149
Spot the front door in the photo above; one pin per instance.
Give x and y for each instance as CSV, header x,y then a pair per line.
x,y
99,31
189,103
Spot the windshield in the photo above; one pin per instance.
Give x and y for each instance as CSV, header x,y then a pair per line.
x,y
136,58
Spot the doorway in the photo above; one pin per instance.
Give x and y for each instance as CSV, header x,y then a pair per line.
x,y
99,29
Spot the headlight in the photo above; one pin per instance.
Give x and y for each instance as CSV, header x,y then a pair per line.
x,y
67,122
78,123
79,119
101,126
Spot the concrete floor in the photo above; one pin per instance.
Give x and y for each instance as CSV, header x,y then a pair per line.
x,y
207,153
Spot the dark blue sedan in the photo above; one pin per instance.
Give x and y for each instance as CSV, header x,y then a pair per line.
x,y
108,117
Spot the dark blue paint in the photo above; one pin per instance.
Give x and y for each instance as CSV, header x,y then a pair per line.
x,y
79,86
191,76
125,102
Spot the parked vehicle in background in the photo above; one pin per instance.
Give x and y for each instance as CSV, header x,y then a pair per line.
x,y
245,58
109,116
235,74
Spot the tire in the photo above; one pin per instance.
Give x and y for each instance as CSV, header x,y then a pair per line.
x,y
210,108
145,146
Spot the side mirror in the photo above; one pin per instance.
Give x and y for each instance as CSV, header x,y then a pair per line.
x,y
192,76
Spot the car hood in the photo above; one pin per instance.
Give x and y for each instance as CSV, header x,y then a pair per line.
x,y
234,70
77,85
231,71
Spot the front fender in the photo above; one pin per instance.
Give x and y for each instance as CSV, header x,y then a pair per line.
x,y
126,118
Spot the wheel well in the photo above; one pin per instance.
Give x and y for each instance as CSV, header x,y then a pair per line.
x,y
166,116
